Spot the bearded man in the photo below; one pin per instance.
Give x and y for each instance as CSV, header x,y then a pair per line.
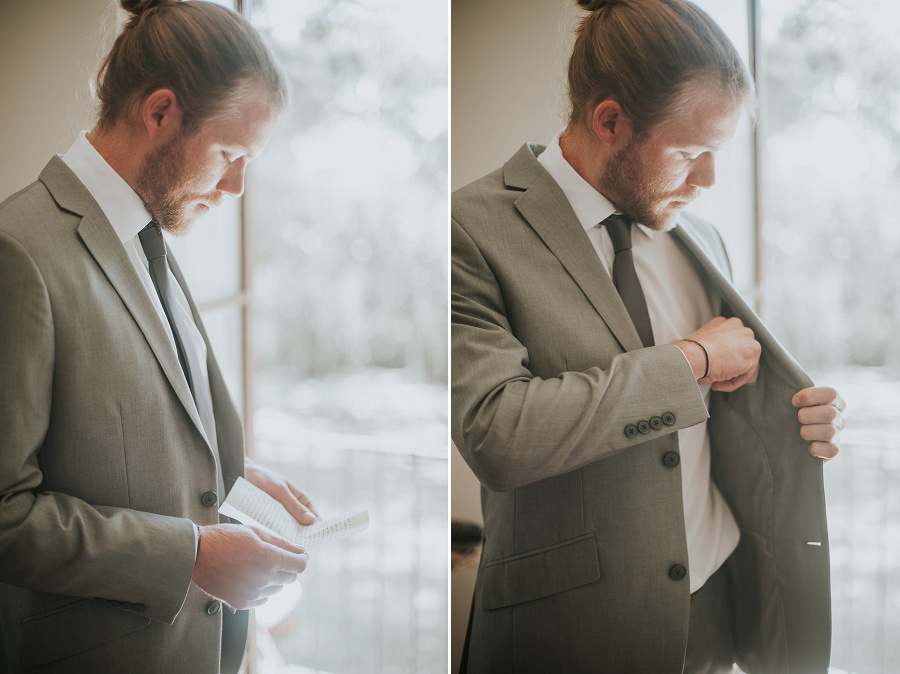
x,y
650,456
118,439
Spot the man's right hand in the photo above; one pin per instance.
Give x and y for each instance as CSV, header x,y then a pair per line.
x,y
733,353
243,565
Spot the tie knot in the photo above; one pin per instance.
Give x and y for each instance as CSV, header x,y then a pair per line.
x,y
619,228
152,241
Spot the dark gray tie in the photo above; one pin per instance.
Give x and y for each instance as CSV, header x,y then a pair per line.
x,y
625,277
181,323
155,249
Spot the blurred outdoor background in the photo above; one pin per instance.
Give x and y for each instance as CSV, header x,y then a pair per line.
x,y
831,279
807,203
348,255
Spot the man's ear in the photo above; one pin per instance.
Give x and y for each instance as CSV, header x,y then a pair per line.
x,y
610,123
161,115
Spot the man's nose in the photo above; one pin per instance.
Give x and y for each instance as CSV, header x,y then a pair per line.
x,y
233,181
703,171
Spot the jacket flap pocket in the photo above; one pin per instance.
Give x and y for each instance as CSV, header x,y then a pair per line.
x,y
74,629
541,573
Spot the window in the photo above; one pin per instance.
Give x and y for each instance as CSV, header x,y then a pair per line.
x,y
346,212
831,279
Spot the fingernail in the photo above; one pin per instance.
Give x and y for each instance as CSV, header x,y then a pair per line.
x,y
795,401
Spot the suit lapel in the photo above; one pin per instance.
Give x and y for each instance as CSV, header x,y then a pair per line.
x,y
549,213
776,354
103,243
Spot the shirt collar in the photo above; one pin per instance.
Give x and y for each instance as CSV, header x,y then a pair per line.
x,y
119,203
591,207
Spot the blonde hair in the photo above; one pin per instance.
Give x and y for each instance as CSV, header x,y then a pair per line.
x,y
645,54
205,53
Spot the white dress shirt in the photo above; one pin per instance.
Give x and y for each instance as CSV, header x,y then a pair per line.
x,y
128,216
678,305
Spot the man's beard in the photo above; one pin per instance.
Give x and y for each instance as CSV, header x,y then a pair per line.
x,y
166,188
638,190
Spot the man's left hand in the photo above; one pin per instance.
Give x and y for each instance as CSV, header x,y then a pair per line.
x,y
282,490
821,418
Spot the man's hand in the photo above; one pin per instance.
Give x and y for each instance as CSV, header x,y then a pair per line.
x,y
282,490
821,418
243,565
733,354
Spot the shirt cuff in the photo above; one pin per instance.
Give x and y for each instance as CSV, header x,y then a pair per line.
x,y
196,540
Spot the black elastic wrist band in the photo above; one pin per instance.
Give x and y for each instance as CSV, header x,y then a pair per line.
x,y
705,353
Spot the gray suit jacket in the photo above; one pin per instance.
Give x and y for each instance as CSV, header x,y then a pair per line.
x,y
582,522
102,460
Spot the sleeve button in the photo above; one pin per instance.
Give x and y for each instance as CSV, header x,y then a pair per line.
x,y
668,418
656,423
631,430
644,426
677,572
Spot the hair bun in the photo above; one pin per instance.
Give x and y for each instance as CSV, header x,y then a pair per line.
x,y
140,6
594,5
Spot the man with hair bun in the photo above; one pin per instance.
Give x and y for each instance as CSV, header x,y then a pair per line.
x,y
118,439
650,455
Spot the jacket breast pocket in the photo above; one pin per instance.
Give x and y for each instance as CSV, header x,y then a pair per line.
x,y
541,573
74,628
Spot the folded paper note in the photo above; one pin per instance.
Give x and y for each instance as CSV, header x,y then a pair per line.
x,y
248,504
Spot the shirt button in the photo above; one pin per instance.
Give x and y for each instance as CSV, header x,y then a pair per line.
x,y
209,499
677,572
668,418
631,430
644,427
671,459
213,607
656,423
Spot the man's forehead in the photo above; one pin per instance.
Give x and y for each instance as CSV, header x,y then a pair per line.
x,y
708,118
244,128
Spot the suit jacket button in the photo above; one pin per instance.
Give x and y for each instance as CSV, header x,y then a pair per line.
x,y
671,459
644,427
140,608
656,423
677,572
213,607
631,430
209,499
668,418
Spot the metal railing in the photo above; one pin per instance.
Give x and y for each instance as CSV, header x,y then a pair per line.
x,y
374,603
863,494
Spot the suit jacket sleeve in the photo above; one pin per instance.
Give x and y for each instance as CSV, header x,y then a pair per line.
x,y
514,428
54,542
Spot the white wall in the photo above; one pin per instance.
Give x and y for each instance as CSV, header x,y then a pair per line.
x,y
508,60
49,52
